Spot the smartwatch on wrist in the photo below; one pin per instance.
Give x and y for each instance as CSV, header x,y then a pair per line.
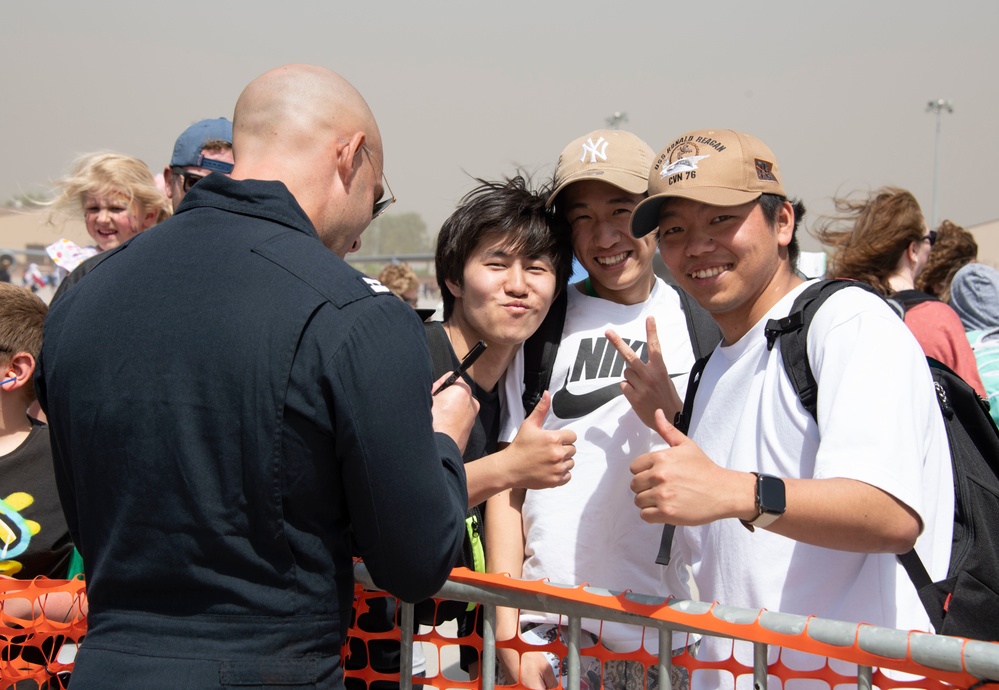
x,y
770,501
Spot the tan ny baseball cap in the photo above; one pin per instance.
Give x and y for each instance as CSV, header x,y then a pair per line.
x,y
609,155
718,167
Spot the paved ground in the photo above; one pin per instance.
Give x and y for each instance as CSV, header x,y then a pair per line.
x,y
448,655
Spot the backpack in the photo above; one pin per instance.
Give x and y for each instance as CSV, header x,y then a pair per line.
x,y
540,349
966,602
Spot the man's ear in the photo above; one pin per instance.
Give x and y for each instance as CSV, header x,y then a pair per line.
x,y
168,182
349,158
21,368
149,218
453,288
785,224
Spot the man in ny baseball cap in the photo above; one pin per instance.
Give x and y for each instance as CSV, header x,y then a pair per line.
x,y
822,500
613,156
203,148
599,180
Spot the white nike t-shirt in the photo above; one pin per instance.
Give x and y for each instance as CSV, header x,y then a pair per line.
x,y
589,531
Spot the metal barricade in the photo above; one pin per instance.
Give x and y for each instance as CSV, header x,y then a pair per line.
x,y
941,661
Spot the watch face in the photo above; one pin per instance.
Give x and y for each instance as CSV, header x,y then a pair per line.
x,y
770,494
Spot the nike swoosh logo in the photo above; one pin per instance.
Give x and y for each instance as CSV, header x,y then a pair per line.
x,y
568,405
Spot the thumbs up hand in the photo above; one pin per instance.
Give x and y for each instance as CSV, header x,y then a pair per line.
x,y
539,458
682,486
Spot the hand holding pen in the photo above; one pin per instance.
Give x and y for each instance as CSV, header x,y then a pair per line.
x,y
468,361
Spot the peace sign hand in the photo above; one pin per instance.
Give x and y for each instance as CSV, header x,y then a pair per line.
x,y
647,387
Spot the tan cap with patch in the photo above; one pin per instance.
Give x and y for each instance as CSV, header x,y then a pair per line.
x,y
609,155
718,167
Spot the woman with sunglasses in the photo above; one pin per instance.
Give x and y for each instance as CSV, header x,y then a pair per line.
x,y
117,197
882,240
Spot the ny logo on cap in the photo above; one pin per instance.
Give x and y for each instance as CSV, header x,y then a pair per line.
x,y
594,150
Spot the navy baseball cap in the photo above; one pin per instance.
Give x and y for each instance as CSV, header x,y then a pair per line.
x,y
187,150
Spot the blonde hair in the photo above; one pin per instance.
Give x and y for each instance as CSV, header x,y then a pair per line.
x,y
110,174
399,278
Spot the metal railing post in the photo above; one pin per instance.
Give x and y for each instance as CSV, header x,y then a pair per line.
x,y
487,669
760,666
575,630
865,676
665,664
406,650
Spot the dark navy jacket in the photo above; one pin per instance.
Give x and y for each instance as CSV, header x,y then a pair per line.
x,y
233,409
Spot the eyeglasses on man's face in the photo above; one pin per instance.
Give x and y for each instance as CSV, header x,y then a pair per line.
x,y
382,205
190,179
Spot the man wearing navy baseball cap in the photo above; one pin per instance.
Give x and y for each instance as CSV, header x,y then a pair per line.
x,y
203,148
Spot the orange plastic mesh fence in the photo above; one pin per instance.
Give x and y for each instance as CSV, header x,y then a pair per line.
x,y
41,621
834,664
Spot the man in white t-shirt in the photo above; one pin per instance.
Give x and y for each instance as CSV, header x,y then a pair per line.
x,y
781,510
586,531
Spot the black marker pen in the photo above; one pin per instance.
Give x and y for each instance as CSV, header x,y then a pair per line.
x,y
469,360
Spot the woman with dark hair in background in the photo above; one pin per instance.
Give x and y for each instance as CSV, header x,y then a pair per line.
x,y
955,247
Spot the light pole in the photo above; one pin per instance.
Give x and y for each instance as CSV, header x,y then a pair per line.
x,y
937,106
614,121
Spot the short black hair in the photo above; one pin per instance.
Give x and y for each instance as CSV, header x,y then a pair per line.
x,y
770,205
509,207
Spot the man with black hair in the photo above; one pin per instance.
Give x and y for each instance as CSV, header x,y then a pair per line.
x,y
780,509
501,259
500,263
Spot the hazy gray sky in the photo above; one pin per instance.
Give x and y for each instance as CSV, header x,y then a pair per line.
x,y
837,89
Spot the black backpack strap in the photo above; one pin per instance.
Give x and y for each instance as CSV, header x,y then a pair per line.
x,y
903,300
682,419
793,333
915,568
910,298
910,560
540,350
682,422
701,327
441,354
